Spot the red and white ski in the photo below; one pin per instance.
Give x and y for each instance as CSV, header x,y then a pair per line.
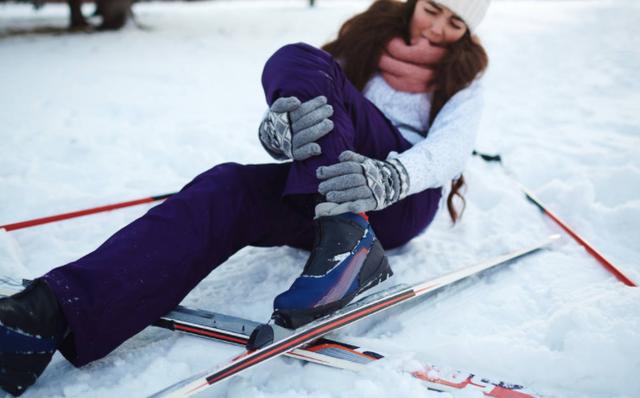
x,y
333,353
285,340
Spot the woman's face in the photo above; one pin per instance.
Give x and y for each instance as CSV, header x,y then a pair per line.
x,y
436,23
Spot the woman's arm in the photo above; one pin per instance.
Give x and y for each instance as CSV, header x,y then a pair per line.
x,y
441,157
358,183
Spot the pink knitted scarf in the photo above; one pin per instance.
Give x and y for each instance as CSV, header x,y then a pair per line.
x,y
410,68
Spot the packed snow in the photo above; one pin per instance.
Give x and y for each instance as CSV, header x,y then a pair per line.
x,y
91,119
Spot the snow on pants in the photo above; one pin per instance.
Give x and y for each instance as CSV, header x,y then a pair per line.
x,y
144,270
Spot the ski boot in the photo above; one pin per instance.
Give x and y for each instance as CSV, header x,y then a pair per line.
x,y
32,326
346,260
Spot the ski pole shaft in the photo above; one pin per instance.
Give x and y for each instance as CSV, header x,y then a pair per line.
x,y
588,247
579,239
79,213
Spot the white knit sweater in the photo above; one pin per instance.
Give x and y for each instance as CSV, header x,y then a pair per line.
x,y
440,157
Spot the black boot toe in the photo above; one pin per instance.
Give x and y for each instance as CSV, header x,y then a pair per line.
x,y
33,318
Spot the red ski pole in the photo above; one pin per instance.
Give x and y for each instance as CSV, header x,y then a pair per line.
x,y
79,213
581,241
590,249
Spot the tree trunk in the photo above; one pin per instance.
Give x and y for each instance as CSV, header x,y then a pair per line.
x,y
114,13
77,19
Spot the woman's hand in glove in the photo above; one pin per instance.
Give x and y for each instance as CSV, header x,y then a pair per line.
x,y
290,128
360,184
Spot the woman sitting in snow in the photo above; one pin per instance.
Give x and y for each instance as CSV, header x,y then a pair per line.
x,y
377,122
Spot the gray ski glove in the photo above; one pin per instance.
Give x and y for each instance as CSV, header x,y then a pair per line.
x,y
290,128
360,184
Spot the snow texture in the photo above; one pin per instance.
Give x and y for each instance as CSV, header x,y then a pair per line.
x,y
90,119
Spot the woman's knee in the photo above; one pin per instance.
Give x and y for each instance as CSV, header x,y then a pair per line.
x,y
299,54
299,70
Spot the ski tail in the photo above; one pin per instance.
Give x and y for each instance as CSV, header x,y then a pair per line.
x,y
435,378
457,382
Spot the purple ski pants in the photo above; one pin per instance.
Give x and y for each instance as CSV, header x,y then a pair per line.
x,y
144,270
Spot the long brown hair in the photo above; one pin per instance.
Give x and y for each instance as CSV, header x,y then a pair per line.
x,y
362,39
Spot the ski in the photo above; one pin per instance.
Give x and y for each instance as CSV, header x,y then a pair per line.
x,y
334,353
324,351
331,352
276,341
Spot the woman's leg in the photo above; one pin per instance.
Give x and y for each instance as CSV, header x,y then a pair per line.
x,y
305,72
87,308
145,269
347,257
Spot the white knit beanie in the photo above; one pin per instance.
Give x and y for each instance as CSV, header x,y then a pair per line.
x,y
471,11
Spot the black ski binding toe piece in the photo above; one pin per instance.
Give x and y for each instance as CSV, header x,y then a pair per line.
x,y
260,337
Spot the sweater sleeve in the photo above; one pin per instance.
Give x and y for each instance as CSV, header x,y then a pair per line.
x,y
442,155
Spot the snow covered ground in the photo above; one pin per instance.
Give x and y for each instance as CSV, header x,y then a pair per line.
x,y
90,119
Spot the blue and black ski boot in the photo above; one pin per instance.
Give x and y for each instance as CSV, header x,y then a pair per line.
x,y
346,260
32,326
